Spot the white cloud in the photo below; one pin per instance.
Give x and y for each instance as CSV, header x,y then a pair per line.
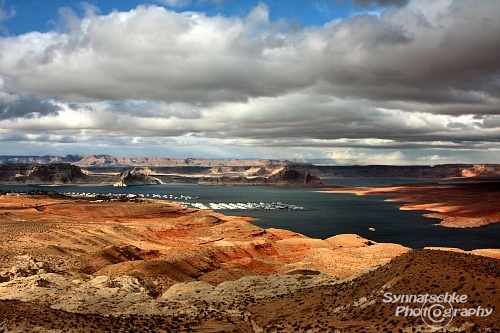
x,y
153,53
425,75
366,156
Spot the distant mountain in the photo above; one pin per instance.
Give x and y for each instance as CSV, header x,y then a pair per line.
x,y
86,161
250,168
443,171
40,159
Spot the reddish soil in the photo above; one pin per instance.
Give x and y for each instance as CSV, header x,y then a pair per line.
x,y
162,244
161,239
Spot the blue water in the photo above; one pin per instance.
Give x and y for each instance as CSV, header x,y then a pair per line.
x,y
324,214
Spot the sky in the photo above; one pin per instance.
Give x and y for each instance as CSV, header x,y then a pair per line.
x,y
331,81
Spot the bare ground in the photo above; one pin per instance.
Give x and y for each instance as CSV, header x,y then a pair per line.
x,y
82,266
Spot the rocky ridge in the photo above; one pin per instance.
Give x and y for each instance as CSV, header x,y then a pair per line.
x,y
65,173
86,161
283,176
445,171
196,165
136,177
60,173
283,303
126,294
82,265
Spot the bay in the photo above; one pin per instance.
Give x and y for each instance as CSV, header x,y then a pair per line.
x,y
323,214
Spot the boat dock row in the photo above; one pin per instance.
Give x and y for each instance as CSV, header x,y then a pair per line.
x,y
184,201
243,206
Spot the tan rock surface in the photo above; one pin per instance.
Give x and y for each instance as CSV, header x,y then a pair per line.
x,y
145,266
274,303
162,243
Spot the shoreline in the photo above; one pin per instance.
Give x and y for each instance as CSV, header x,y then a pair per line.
x,y
455,205
152,263
223,245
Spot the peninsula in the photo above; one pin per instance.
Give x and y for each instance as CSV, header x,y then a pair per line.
x,y
464,205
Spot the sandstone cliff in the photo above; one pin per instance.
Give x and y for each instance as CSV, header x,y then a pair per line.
x,y
482,171
60,173
136,177
107,169
285,176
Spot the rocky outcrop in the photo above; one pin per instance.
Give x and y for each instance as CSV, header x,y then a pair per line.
x,y
14,173
124,294
281,303
227,169
136,176
237,171
293,176
60,173
101,293
25,266
482,171
285,176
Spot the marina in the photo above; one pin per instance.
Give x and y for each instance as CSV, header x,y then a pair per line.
x,y
305,211
244,206
184,201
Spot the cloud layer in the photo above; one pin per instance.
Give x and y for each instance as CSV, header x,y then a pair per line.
x,y
417,80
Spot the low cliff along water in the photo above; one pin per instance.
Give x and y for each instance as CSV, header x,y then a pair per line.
x,y
309,212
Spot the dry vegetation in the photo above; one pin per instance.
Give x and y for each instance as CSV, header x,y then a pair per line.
x,y
80,266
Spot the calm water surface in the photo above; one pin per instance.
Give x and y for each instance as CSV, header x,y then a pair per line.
x,y
324,214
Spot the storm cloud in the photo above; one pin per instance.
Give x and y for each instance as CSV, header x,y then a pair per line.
x,y
422,75
27,108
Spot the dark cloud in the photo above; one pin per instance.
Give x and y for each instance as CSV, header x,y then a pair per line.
x,y
80,107
152,109
491,122
28,108
444,57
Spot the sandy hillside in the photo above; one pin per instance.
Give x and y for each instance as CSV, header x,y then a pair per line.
x,y
79,265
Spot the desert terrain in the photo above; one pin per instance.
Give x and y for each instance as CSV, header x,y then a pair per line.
x,y
84,265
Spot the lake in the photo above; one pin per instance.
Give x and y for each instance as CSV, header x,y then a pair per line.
x,y
323,214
